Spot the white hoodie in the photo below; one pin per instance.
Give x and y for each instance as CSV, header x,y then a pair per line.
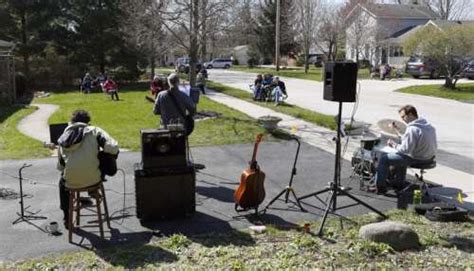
x,y
419,140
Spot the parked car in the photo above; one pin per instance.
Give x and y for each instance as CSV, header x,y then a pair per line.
x,y
418,66
219,63
182,65
316,60
468,71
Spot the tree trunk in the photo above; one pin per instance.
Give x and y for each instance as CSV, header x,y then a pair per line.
x,y
448,83
152,65
306,60
193,48
24,41
203,53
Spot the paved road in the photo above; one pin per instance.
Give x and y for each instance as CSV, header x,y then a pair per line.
x,y
377,100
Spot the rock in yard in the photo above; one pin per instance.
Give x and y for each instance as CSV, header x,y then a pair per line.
x,y
398,235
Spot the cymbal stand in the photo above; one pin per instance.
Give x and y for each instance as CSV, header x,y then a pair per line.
x,y
289,189
30,215
335,188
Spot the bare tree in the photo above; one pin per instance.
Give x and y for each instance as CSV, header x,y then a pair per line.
x,y
446,9
143,26
307,22
330,30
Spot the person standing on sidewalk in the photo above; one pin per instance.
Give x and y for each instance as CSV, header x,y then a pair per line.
x,y
418,145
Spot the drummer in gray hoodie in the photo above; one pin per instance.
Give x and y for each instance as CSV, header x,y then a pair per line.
x,y
418,145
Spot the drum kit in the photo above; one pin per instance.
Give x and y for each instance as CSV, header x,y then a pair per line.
x,y
364,159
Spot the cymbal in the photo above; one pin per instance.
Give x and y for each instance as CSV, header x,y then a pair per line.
x,y
387,126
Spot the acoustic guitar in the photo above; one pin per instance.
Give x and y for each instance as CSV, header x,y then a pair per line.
x,y
251,193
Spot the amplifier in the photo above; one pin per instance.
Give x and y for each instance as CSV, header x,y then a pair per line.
x,y
164,194
163,148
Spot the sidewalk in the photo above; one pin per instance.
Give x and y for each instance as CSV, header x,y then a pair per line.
x,y
452,180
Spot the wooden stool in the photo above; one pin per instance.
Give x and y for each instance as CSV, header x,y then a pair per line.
x,y
96,192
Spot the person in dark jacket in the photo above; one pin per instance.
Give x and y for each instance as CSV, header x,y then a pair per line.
x,y
165,106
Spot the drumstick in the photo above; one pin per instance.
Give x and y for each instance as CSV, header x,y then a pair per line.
x,y
395,127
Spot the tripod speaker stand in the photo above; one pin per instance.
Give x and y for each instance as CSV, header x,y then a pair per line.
x,y
289,189
340,80
31,215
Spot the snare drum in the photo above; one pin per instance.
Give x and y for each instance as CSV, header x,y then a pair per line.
x,y
368,143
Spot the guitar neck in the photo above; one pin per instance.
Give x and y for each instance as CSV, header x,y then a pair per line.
x,y
253,162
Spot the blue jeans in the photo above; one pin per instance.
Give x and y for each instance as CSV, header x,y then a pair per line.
x,y
400,161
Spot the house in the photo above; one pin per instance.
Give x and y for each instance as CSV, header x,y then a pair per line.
x,y
240,54
376,32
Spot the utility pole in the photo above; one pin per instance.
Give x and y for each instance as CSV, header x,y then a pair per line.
x,y
277,36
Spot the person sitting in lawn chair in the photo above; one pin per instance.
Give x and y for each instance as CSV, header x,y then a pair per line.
x,y
279,91
266,91
86,83
257,87
111,88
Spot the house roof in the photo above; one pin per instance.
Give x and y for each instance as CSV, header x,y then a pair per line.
x,y
400,36
444,23
400,11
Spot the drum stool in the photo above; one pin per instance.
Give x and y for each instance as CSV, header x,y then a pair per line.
x,y
419,176
96,192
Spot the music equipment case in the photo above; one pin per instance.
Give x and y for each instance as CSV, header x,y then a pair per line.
x,y
164,192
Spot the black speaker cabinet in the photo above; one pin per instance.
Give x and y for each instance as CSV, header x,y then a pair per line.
x,y
162,148
340,80
166,193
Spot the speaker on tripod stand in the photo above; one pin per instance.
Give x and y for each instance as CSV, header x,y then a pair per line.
x,y
340,80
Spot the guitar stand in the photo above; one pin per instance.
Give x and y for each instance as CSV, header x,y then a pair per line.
x,y
335,188
239,210
22,216
289,189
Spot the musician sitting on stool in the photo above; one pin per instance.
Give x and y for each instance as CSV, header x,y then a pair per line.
x,y
418,145
78,156
166,106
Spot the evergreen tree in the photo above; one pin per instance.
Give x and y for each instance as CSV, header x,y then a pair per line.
x,y
96,37
264,41
27,23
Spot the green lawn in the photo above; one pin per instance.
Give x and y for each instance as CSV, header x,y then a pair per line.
x,y
314,73
463,92
292,110
123,120
13,144
444,246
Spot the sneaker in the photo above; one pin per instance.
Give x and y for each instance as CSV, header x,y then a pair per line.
x,y
381,191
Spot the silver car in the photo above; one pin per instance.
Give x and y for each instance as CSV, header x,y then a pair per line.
x,y
219,63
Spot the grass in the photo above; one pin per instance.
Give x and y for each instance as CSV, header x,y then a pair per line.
x,y
123,120
292,110
280,248
463,92
13,144
314,73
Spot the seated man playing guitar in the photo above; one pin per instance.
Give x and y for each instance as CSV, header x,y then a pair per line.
x,y
418,145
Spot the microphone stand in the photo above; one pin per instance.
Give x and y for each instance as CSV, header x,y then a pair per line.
x,y
31,215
